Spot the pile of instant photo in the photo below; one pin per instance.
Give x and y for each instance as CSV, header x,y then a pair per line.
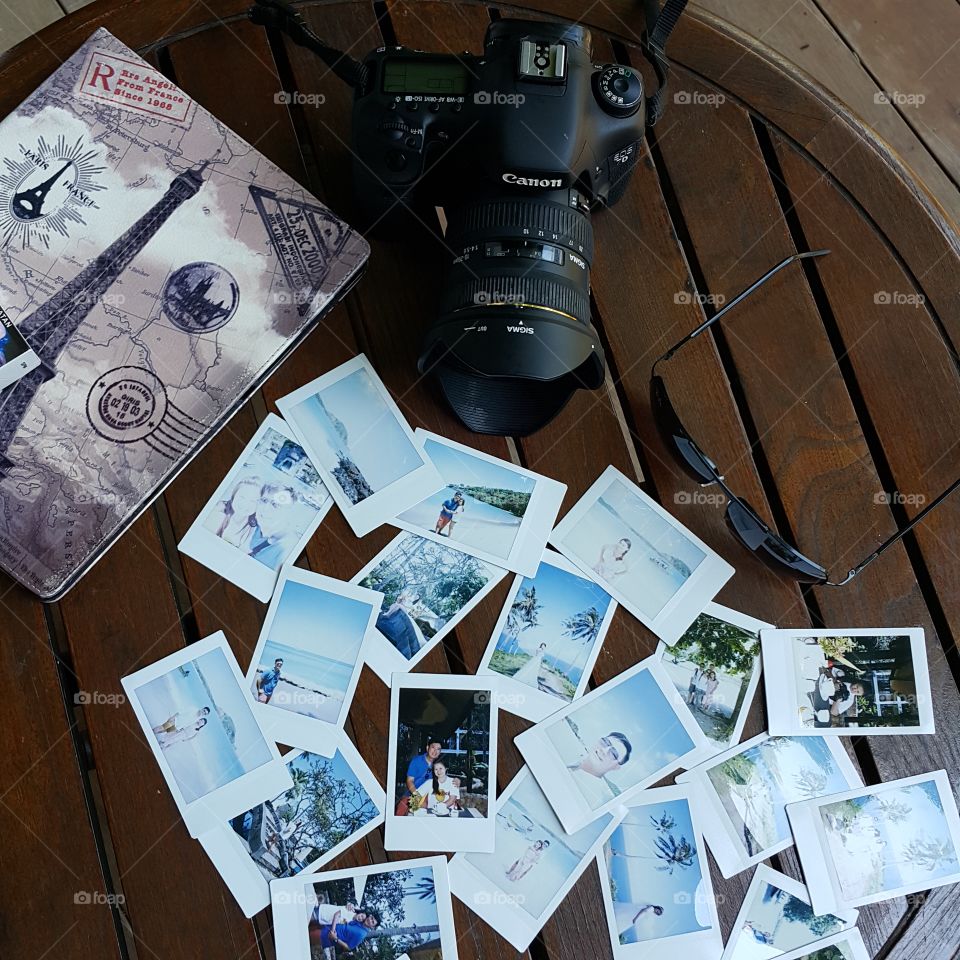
x,y
270,823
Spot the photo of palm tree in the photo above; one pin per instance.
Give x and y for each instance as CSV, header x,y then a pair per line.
x,y
889,838
655,872
551,631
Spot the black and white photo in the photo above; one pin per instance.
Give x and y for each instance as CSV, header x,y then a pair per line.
x,y
642,556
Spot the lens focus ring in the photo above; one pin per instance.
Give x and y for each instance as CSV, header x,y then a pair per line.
x,y
517,291
550,222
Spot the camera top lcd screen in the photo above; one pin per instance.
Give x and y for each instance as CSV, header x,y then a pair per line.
x,y
437,77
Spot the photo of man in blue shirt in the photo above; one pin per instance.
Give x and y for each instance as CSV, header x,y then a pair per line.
x,y
268,680
448,510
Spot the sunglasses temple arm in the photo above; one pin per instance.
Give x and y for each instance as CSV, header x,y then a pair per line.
x,y
738,298
899,535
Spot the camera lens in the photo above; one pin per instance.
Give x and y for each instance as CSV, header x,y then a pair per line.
x,y
514,338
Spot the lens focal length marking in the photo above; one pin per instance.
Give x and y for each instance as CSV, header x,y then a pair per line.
x,y
524,249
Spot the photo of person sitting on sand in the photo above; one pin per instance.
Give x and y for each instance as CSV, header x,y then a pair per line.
x,y
523,864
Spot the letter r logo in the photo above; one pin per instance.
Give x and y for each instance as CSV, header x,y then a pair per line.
x,y
101,72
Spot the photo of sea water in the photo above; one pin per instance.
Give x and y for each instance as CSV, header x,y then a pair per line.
x,y
229,745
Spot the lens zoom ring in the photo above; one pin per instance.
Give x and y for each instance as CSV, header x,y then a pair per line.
x,y
529,289
517,215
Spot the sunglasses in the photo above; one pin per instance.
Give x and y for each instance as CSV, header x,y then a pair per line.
x,y
610,749
744,522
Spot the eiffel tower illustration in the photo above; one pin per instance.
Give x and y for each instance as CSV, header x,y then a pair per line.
x,y
49,328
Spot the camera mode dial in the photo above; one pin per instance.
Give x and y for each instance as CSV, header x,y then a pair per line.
x,y
619,90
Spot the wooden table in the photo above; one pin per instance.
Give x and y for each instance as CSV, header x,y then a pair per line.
x,y
829,392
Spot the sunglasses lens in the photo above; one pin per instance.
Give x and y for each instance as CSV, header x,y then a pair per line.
x,y
675,437
768,546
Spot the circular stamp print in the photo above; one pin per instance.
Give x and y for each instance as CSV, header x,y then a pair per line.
x,y
127,404
200,297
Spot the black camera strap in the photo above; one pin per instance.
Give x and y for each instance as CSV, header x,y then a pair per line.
x,y
283,17
660,24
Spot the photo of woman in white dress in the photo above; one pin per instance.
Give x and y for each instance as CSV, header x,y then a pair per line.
x,y
529,673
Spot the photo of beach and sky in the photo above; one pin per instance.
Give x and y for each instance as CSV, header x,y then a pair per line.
x,y
656,563
203,756
494,501
318,635
353,434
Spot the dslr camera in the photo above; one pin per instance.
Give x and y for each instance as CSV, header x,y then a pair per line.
x,y
517,146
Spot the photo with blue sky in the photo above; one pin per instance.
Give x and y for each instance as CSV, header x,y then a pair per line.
x,y
655,871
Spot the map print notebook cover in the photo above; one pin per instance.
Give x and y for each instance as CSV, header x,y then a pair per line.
x,y
158,268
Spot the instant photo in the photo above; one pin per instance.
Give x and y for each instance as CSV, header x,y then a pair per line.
x,y
427,589
361,444
715,667
16,357
841,946
655,880
596,753
547,638
489,508
262,514
388,910
202,730
442,767
847,682
334,801
875,843
308,658
643,557
534,863
776,918
746,789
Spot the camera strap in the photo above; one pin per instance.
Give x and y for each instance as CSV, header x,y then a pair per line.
x,y
283,17
660,24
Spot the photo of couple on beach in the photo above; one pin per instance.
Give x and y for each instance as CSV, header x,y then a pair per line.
x,y
272,498
480,508
388,915
443,753
550,635
308,654
202,724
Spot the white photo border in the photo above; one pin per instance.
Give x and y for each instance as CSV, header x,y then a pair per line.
x,y
763,875
289,898
230,563
265,781
696,944
493,904
722,839
381,506
451,835
818,868
534,528
287,726
249,887
851,937
780,683
381,655
551,773
520,698
690,599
